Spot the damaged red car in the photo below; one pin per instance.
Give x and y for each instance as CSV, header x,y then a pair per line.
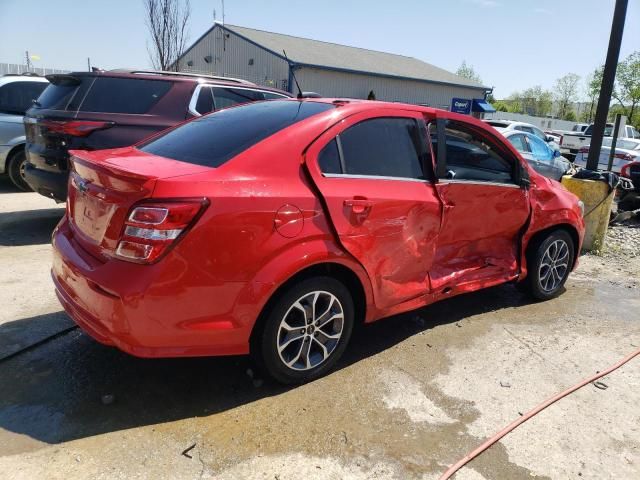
x,y
273,228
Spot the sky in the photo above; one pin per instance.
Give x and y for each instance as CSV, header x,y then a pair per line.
x,y
511,44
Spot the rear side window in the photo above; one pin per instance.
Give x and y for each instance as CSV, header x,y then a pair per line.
x,y
329,158
124,95
204,104
17,97
384,147
519,143
216,138
228,97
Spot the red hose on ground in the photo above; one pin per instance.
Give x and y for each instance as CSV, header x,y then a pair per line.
x,y
509,428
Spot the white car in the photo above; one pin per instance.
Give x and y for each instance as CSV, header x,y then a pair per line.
x,y
17,93
508,125
627,150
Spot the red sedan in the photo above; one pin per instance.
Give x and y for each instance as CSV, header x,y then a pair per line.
x,y
272,228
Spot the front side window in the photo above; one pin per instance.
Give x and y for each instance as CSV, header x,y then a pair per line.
x,y
471,156
383,147
539,149
539,133
17,97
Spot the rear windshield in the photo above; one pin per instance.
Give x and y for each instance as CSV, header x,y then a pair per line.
x,y
56,97
215,138
124,95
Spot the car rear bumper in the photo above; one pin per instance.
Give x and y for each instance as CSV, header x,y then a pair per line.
x,y
137,309
49,184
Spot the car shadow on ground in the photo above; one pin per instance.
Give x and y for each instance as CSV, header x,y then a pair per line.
x,y
62,389
28,227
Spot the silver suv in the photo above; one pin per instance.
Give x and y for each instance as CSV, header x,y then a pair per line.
x,y
17,93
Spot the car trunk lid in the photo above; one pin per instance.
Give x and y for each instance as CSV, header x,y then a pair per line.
x,y
103,187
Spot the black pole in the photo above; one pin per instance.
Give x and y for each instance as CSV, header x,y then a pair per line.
x,y
614,141
608,77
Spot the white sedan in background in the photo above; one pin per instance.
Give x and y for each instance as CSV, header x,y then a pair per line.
x,y
627,150
509,125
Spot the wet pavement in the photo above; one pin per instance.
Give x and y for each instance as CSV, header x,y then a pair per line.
x,y
413,394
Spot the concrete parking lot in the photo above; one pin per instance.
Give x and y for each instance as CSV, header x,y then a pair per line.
x,y
414,393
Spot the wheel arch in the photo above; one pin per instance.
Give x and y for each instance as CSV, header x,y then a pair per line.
x,y
333,269
12,153
540,235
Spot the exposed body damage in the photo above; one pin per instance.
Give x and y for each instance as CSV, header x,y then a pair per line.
x,y
273,218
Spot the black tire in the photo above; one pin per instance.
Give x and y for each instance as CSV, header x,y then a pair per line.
x,y
272,334
546,282
15,169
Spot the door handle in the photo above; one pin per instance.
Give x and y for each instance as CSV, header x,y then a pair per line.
x,y
358,205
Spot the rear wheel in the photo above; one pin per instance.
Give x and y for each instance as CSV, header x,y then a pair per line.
x,y
306,331
549,263
16,167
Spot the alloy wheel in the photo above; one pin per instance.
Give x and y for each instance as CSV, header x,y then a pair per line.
x,y
310,330
554,265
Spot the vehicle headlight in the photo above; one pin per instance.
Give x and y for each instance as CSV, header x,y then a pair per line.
x,y
581,207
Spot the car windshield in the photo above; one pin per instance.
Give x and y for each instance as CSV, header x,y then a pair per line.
x,y
213,139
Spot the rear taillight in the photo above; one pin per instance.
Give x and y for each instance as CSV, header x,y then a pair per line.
x,y
75,128
625,171
151,229
584,150
623,156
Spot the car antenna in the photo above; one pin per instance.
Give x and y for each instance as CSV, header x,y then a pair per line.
x,y
293,74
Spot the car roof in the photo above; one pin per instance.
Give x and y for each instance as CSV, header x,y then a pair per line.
x,y
172,76
350,106
10,78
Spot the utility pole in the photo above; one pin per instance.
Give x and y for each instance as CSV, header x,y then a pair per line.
x,y
28,58
88,64
608,78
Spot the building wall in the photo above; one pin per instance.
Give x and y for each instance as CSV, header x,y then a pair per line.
x,y
350,85
15,68
231,57
542,122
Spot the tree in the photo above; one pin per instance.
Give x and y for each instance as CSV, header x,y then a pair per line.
x,y
565,93
536,101
467,71
167,21
627,91
594,82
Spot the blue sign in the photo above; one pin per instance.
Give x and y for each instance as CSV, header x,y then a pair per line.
x,y
461,105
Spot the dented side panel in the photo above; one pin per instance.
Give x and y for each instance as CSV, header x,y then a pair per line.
x,y
389,225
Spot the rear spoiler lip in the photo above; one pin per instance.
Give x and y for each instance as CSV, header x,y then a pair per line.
x,y
83,157
59,78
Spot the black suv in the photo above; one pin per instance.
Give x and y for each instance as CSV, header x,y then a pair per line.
x,y
117,108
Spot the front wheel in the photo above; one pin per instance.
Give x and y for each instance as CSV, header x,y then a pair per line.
x,y
306,330
549,263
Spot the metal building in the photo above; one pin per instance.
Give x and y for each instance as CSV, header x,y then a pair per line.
x,y
329,69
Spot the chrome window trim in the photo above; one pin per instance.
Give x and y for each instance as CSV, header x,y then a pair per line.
x,y
480,182
373,177
194,97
